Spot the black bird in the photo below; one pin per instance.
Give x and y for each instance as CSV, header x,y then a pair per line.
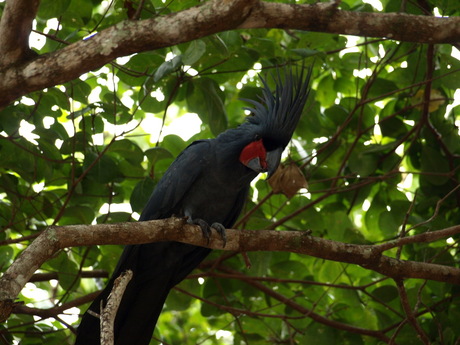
x,y
208,183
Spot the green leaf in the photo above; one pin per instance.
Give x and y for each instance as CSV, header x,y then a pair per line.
x,y
381,87
206,99
288,268
386,293
52,8
345,86
363,163
60,98
262,45
306,52
338,225
114,217
6,257
388,225
260,263
157,153
337,114
194,52
318,334
178,301
330,271
79,91
102,169
167,67
174,144
324,92
141,194
393,127
93,123
434,166
128,150
10,119
66,269
51,151
229,41
78,13
77,215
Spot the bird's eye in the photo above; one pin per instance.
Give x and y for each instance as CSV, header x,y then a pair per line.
x,y
257,137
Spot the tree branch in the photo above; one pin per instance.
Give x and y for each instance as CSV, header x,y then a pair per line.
x,y
124,38
410,314
177,229
325,17
109,312
129,37
15,28
43,277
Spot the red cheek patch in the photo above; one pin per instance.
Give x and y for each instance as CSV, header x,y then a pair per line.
x,y
253,150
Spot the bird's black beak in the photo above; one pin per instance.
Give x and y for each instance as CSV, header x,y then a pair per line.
x,y
273,160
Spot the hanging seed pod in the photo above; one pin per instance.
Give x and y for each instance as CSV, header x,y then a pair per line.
x,y
288,179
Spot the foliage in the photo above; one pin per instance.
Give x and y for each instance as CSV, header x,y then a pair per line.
x,y
381,162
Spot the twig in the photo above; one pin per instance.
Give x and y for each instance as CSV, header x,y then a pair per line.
x,y
410,315
109,312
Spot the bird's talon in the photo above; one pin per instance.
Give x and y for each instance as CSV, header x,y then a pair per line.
x,y
205,229
221,231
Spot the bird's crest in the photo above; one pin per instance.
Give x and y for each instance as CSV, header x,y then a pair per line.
x,y
278,111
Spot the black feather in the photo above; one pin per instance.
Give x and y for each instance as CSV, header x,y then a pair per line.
x,y
278,112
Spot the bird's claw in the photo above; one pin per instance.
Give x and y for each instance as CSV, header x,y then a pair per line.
x,y
206,229
221,231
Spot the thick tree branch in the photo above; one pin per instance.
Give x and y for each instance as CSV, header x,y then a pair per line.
x,y
325,17
129,37
175,229
15,28
124,38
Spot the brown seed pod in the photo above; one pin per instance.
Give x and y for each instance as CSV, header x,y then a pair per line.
x,y
287,179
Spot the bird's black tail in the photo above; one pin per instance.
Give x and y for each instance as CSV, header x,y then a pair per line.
x,y
157,268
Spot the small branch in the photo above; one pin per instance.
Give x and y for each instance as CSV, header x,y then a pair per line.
x,y
109,312
426,237
409,313
43,277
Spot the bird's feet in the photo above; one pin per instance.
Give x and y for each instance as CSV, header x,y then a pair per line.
x,y
206,229
221,231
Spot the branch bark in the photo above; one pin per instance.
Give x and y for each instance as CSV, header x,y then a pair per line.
x,y
109,312
176,229
325,17
15,28
125,38
128,37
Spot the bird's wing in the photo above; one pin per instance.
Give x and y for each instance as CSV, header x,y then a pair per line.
x,y
168,193
176,181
